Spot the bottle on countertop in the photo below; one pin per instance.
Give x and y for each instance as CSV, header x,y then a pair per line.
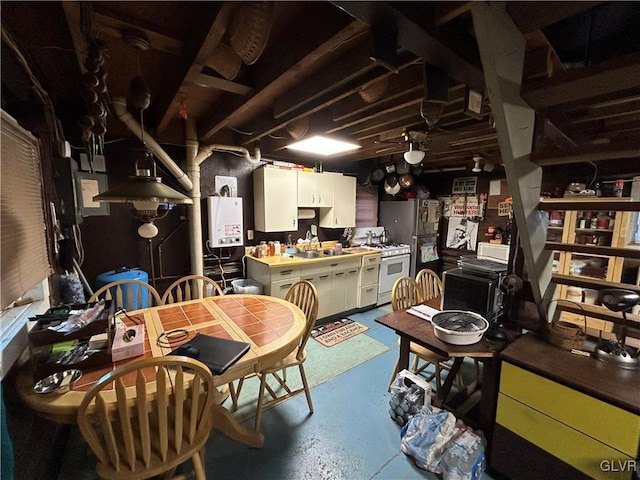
x,y
276,248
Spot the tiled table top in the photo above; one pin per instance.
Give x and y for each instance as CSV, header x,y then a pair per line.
x,y
270,325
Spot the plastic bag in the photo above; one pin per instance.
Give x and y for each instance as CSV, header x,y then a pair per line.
x,y
464,457
425,437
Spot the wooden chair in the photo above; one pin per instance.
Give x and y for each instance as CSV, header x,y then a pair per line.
x,y
128,294
429,284
152,430
406,292
190,288
304,295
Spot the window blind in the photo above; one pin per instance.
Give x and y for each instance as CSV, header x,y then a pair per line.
x,y
23,246
366,206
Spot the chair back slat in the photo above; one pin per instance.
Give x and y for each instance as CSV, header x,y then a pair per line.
x,y
191,287
305,296
405,294
158,416
429,284
124,418
128,294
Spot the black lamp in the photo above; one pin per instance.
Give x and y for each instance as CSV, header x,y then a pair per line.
x,y
618,300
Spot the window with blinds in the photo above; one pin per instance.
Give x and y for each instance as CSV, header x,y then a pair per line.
x,y
23,246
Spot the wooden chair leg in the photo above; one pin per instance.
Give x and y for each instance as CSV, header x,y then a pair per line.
x,y
234,394
198,465
307,392
263,381
396,369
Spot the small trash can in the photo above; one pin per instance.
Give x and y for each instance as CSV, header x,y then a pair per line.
x,y
247,285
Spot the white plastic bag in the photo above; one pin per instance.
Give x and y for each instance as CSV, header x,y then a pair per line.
x,y
425,437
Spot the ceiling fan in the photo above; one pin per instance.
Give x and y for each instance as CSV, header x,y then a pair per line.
x,y
415,141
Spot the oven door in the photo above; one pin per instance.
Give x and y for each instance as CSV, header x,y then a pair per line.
x,y
391,269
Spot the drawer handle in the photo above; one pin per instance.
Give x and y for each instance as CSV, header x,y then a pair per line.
x,y
286,272
324,276
353,271
369,289
287,286
310,279
370,269
339,274
334,264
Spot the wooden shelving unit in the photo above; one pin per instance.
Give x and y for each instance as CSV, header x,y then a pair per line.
x,y
593,266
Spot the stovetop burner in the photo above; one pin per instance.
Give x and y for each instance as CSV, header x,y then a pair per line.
x,y
390,249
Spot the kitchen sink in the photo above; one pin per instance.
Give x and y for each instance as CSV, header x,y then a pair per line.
x,y
308,254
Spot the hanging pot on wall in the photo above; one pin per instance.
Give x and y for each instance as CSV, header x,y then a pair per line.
x,y
406,181
364,178
377,174
391,185
402,166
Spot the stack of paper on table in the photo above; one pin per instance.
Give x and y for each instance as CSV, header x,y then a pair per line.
x,y
423,311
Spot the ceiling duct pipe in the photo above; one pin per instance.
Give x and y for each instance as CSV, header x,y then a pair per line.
x,y
119,107
206,151
195,210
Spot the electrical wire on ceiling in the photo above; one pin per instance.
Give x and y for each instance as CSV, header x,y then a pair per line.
x,y
240,131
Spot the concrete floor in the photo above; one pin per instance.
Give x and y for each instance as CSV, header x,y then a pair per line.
x,y
350,435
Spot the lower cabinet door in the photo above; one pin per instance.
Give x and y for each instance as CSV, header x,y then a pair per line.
x,y
323,286
281,287
351,290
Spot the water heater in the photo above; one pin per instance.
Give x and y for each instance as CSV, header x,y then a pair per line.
x,y
225,221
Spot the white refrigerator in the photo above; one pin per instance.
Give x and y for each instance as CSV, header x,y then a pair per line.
x,y
415,222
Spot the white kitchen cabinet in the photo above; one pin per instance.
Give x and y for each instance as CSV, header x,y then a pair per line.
x,y
351,288
369,276
343,212
315,190
338,291
275,200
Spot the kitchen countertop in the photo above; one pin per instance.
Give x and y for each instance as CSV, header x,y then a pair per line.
x,y
287,260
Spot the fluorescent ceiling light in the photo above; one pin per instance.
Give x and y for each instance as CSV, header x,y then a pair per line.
x,y
323,146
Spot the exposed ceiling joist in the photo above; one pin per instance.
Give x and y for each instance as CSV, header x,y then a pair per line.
x,y
619,74
416,40
444,12
530,16
289,78
590,153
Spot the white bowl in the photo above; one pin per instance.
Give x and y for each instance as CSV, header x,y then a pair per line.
x,y
459,327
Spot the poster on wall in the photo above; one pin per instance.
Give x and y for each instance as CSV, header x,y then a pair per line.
x,y
462,234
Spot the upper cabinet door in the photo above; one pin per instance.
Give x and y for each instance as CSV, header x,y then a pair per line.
x,y
315,189
275,200
343,213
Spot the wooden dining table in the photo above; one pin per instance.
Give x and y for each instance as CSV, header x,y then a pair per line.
x,y
483,393
270,325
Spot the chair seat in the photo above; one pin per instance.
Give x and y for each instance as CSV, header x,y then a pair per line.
x,y
289,361
425,353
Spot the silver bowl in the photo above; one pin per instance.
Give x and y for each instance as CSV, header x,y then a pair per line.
x,y
57,383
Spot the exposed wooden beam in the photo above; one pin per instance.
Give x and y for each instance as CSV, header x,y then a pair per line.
x,y
530,16
618,74
416,40
113,23
196,58
502,49
407,83
344,70
444,12
286,80
208,81
591,153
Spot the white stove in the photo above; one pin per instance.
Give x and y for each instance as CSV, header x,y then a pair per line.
x,y
395,261
390,249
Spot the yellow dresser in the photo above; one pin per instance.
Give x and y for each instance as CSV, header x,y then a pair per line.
x,y
561,409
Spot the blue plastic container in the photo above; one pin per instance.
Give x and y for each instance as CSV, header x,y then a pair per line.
x,y
125,273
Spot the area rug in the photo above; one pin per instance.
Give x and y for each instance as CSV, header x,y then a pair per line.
x,y
322,365
332,333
